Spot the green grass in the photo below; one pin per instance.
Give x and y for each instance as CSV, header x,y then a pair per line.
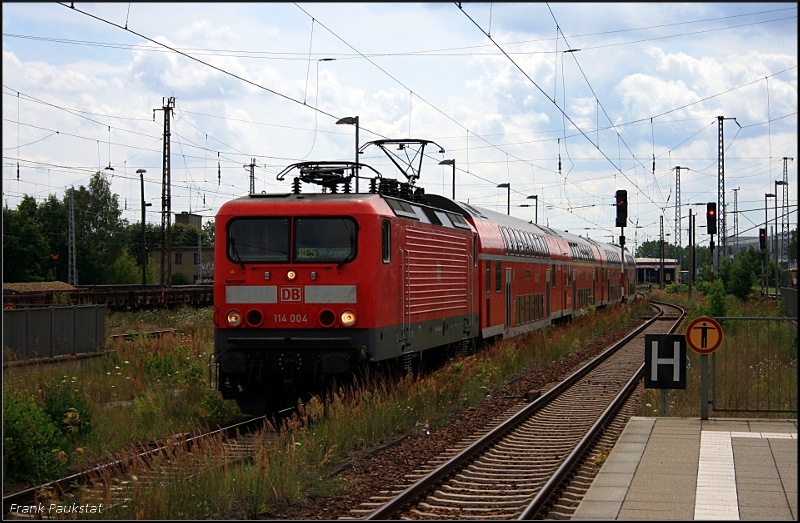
x,y
291,468
143,390
756,364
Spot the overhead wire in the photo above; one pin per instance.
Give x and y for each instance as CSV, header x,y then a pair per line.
x,y
490,145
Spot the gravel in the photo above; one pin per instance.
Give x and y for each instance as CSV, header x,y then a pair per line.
x,y
384,466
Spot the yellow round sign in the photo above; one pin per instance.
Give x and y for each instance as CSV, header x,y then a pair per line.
x,y
704,335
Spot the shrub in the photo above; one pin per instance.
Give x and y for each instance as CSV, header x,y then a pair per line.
x,y
32,444
179,279
717,300
69,411
677,288
212,409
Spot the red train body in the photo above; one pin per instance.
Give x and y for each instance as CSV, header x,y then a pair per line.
x,y
309,286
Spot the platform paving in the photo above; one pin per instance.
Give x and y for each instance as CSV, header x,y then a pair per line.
x,y
692,469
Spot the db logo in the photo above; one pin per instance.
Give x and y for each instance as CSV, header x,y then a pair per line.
x,y
291,294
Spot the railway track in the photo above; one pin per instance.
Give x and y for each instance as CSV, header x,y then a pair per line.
x,y
109,484
539,457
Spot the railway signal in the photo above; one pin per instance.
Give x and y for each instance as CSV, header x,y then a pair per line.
x,y
762,239
622,207
711,218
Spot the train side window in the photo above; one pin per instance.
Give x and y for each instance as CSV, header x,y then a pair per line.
x,y
503,233
553,279
488,276
386,235
517,242
498,276
474,250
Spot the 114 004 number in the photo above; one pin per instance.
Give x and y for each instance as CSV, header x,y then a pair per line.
x,y
290,318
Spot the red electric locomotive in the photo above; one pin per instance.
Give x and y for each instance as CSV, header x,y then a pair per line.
x,y
310,286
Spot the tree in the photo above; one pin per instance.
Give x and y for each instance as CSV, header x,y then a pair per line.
x,y
793,246
184,235
739,274
25,249
125,269
209,228
98,229
52,216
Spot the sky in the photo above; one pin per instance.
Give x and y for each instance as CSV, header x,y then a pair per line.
x,y
567,102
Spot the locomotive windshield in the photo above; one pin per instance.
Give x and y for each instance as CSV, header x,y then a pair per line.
x,y
268,240
324,240
258,240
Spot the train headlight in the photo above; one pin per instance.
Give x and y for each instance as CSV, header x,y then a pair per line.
x,y
291,275
234,318
348,318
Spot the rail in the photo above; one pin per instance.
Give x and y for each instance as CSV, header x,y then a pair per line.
x,y
471,452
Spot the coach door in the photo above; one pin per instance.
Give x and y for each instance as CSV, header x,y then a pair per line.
x,y
547,293
574,289
508,299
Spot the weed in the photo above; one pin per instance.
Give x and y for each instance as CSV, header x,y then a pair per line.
x,y
601,458
68,410
32,444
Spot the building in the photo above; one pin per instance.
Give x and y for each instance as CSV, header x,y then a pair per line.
x,y
648,271
186,218
195,264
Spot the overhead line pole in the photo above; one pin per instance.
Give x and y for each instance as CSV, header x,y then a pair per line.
x,y
722,232
678,205
166,197
785,226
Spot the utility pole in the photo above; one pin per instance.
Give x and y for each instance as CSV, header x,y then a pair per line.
x,y
661,249
691,252
678,205
72,269
252,166
785,215
736,217
166,198
721,230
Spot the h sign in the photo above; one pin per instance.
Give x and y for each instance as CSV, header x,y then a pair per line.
x,y
664,361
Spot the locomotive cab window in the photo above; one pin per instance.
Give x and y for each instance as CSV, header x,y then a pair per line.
x,y
386,244
258,240
324,240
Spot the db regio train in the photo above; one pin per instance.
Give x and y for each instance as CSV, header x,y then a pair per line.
x,y
309,287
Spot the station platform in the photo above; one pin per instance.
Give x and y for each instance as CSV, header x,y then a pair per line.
x,y
692,469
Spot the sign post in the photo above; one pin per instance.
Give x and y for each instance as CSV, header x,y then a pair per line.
x,y
665,364
704,335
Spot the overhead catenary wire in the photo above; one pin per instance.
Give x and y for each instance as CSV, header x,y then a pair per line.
x,y
507,160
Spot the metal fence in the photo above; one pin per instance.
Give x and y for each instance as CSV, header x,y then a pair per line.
x,y
52,332
789,300
755,370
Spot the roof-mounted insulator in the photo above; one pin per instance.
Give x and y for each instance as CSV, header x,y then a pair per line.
x,y
296,185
